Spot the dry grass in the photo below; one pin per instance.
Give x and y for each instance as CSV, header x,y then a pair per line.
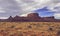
x,y
29,28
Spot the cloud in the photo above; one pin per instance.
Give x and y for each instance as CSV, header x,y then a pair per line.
x,y
25,15
30,5
33,5
1,10
57,15
9,7
3,17
54,7
19,7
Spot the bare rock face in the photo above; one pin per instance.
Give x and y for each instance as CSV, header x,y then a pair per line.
x,y
10,17
33,15
16,17
49,18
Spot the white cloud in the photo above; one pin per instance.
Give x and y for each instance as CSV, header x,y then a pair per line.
x,y
31,5
3,17
57,15
36,4
2,10
25,15
54,7
9,8
26,6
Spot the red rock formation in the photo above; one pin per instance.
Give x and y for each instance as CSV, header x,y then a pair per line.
x,y
10,17
17,18
33,15
49,18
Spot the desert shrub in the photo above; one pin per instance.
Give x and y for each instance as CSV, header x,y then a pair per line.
x,y
11,35
32,24
50,29
58,33
37,24
21,34
24,32
48,35
33,35
4,23
18,28
58,27
42,33
12,26
1,30
29,26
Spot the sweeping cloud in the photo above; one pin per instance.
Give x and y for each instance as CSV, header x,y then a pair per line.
x,y
22,7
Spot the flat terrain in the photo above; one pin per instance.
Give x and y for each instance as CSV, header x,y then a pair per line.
x,y
29,28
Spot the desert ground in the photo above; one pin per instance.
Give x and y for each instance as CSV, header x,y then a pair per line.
x,y
29,28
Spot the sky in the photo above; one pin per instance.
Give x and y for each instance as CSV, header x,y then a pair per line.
x,y
23,7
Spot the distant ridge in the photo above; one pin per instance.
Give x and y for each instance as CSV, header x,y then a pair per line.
x,y
32,17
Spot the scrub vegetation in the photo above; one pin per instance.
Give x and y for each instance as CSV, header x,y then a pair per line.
x,y
29,28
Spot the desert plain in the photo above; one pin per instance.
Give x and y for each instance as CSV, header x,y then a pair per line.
x,y
29,28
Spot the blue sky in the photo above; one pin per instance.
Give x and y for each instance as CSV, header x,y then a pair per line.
x,y
23,7
44,12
